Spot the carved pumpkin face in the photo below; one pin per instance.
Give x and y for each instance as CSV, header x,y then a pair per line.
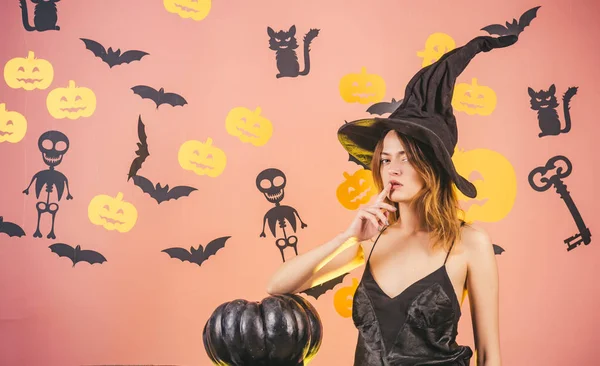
x,y
28,73
192,9
495,180
357,189
436,46
249,126
279,330
13,125
362,87
202,158
474,98
71,102
112,213
342,300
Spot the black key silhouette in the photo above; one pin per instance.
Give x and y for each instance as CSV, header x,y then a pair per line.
x,y
584,235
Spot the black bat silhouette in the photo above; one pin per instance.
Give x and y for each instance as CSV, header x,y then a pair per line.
x,y
113,58
142,151
514,28
197,256
319,290
159,193
10,228
159,97
77,255
384,107
498,249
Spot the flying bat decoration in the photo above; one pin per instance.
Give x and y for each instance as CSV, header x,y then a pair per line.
x,y
10,229
77,255
159,97
498,249
382,108
110,57
197,256
142,151
319,290
159,193
514,28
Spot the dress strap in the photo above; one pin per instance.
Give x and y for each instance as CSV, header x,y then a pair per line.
x,y
375,242
449,250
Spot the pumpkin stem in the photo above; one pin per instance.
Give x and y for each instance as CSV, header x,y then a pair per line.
x,y
119,196
474,81
257,111
30,56
71,83
363,70
208,141
346,175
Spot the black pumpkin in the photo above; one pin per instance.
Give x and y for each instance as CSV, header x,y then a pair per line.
x,y
280,330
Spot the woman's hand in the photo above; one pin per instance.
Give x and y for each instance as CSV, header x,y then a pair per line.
x,y
371,218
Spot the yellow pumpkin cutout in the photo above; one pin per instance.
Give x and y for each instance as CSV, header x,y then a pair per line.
x,y
203,158
496,182
342,299
362,87
249,126
474,98
28,73
112,213
436,45
356,189
189,9
13,125
71,102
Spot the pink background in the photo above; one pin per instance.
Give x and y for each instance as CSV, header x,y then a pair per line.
x,y
143,307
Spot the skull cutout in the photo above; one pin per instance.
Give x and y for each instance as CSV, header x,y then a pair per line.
x,y
53,145
271,183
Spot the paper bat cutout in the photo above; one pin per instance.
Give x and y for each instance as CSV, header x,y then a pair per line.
x,y
11,229
159,193
514,28
142,151
197,256
77,255
319,290
159,97
498,249
384,107
110,57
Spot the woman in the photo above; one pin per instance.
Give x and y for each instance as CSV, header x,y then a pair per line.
x,y
407,305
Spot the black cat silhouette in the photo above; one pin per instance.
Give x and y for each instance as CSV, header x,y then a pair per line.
x,y
284,44
545,103
45,15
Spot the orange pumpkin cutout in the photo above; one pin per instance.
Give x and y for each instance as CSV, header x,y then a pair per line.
x,y
203,158
436,45
28,73
249,126
496,182
342,299
71,102
356,189
112,213
362,87
13,125
474,98
188,9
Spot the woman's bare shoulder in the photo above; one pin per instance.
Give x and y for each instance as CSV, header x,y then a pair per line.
x,y
476,241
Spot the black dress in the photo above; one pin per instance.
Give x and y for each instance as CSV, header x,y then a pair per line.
x,y
417,327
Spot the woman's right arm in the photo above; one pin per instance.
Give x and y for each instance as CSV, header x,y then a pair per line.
x,y
340,255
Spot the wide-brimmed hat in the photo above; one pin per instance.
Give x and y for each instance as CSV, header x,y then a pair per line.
x,y
425,112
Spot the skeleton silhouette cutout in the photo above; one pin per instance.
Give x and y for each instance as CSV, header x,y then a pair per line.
x,y
53,145
271,182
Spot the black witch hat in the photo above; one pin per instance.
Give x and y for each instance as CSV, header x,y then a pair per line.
x,y
426,111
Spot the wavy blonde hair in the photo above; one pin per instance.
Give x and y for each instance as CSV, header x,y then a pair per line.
x,y
437,202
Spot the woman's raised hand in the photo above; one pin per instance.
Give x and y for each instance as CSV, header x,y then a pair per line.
x,y
371,218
